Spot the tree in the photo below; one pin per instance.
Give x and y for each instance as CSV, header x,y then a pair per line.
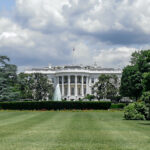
x,y
8,79
131,85
146,81
106,87
134,57
25,82
134,77
42,87
3,60
143,61
35,86
146,98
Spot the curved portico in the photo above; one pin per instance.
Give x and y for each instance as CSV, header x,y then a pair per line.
x,y
73,86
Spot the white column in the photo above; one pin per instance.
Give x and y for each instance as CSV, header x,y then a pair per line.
x,y
68,86
82,86
62,85
87,85
90,86
76,90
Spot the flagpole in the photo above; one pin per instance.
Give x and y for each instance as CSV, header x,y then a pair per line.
x,y
73,59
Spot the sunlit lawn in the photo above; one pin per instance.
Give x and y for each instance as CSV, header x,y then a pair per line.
x,y
99,130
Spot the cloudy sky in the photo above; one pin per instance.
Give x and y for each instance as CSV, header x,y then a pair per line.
x,y
35,33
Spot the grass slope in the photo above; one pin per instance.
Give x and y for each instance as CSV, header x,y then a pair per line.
x,y
100,130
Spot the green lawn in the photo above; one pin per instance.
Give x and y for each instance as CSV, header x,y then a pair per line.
x,y
99,130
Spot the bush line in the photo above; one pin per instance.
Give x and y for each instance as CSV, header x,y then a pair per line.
x,y
51,105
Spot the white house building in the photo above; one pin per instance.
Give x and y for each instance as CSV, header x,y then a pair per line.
x,y
75,81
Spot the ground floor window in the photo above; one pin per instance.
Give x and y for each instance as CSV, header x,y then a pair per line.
x,y
92,90
72,91
84,91
79,91
66,91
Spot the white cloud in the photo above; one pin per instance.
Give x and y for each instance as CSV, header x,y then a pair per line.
x,y
41,14
118,57
13,35
45,31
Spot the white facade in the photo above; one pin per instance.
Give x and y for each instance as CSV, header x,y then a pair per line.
x,y
75,81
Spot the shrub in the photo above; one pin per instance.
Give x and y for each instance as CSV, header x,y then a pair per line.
x,y
136,111
118,106
53,105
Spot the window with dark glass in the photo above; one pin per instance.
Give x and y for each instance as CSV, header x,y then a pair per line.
x,y
72,79
84,80
92,80
66,91
79,79
84,91
79,91
60,80
72,91
65,79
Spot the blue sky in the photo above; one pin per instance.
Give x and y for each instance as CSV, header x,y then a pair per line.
x,y
41,32
7,4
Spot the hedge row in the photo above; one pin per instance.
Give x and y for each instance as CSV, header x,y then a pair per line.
x,y
118,106
51,105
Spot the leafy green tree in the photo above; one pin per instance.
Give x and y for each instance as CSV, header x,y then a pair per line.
x,y
146,98
8,80
134,57
135,77
42,87
35,86
106,87
146,81
25,82
143,61
131,85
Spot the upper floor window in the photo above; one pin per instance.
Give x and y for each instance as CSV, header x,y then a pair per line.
x,y
79,79
72,79
72,91
65,79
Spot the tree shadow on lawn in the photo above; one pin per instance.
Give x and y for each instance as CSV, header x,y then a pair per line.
x,y
147,124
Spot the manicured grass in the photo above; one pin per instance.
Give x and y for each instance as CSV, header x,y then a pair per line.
x,y
99,130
